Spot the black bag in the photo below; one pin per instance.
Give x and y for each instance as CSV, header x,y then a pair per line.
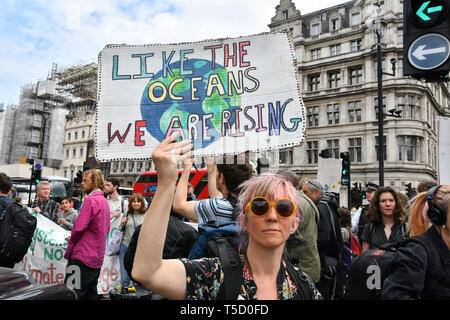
x,y
233,269
369,270
17,227
180,238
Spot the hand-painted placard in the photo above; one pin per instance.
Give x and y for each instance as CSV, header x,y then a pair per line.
x,y
227,95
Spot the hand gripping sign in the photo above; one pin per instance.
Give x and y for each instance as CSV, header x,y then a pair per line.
x,y
227,95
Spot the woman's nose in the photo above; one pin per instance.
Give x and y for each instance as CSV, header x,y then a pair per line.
x,y
272,214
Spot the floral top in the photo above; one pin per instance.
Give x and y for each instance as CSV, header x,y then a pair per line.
x,y
204,277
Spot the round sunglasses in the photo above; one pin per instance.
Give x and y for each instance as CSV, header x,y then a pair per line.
x,y
259,206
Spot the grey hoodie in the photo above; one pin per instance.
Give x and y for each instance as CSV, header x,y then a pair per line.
x,y
70,218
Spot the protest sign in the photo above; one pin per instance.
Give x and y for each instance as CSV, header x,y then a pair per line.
x,y
45,260
227,95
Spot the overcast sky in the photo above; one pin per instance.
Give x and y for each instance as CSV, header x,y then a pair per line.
x,y
36,33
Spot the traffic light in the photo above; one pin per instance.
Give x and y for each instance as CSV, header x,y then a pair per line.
x,y
326,153
37,172
345,174
79,177
426,39
408,189
363,194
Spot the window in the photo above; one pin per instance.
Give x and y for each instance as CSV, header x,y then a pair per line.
x,y
356,45
123,165
335,25
333,145
83,134
384,148
335,49
68,136
410,106
76,135
375,69
139,166
314,82
333,113
315,29
355,19
131,166
285,156
115,166
354,148
74,153
399,36
355,75
375,103
313,116
312,151
408,148
285,15
67,153
315,54
334,79
354,111
81,152
148,166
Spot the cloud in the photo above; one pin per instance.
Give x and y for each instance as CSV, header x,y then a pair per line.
x,y
37,33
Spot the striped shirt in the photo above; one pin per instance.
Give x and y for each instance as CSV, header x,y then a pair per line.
x,y
213,209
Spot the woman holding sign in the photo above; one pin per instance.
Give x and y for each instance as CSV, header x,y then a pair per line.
x,y
269,215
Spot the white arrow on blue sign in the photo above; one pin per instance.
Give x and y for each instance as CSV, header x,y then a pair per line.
x,y
429,51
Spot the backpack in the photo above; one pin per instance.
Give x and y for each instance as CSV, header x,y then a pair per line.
x,y
375,262
233,269
206,245
352,251
17,227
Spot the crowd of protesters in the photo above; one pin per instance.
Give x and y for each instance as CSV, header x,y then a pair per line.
x,y
289,229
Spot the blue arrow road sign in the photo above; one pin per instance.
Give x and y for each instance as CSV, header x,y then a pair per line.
x,y
429,51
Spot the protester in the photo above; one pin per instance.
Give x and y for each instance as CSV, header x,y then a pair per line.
x,y
135,216
264,271
425,185
386,220
303,243
346,224
418,221
216,208
86,249
118,205
43,204
5,191
75,202
68,215
422,270
359,218
329,241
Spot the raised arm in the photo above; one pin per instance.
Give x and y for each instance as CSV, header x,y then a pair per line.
x,y
166,277
212,178
180,203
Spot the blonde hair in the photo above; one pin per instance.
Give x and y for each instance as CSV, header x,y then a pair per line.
x,y
97,179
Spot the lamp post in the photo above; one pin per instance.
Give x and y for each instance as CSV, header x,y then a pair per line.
x,y
381,114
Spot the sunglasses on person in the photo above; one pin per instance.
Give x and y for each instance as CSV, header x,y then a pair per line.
x,y
259,206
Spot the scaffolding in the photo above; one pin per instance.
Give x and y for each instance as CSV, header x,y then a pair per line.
x,y
78,82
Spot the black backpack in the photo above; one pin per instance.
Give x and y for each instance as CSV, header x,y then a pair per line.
x,y
17,227
233,269
364,283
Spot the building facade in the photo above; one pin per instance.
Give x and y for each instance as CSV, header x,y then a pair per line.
x,y
337,67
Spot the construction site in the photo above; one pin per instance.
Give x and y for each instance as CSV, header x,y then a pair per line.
x,y
36,128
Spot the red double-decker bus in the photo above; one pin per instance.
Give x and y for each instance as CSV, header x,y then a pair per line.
x,y
147,182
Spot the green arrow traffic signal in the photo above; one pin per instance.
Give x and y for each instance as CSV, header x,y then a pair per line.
x,y
421,12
